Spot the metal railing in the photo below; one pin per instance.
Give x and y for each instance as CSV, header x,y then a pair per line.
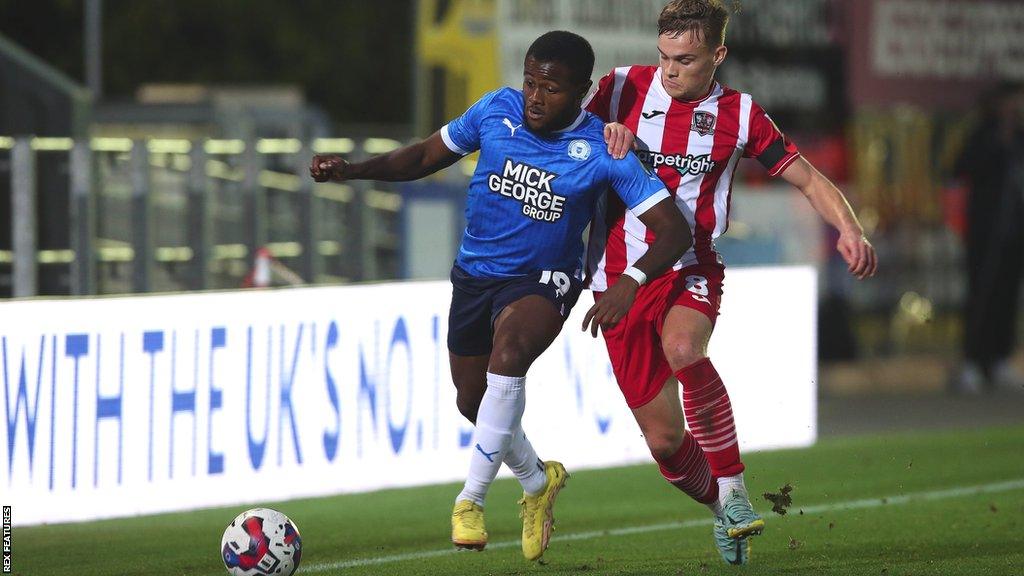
x,y
173,214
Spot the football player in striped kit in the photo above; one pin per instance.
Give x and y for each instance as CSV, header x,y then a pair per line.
x,y
543,169
693,131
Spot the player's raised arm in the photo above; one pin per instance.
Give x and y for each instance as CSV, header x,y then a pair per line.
x,y
830,203
410,162
442,149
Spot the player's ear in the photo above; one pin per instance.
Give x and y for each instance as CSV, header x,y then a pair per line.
x,y
720,54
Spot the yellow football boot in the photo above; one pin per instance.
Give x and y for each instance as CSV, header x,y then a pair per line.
x,y
537,512
468,526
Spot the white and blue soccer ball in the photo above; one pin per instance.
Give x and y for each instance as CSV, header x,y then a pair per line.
x,y
261,542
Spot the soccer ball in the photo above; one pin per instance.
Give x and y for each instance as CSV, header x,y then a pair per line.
x,y
261,542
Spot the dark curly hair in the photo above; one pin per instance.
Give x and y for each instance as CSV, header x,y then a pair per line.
x,y
570,49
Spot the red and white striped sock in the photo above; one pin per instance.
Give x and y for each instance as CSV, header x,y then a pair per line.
x,y
709,417
688,470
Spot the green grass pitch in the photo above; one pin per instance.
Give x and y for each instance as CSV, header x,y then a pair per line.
x,y
907,504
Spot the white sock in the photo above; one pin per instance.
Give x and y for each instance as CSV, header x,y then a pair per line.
x,y
716,509
522,459
500,414
726,484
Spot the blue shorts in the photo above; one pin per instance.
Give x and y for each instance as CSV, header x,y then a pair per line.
x,y
476,303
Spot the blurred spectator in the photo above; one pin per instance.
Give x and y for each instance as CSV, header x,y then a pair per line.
x,y
992,164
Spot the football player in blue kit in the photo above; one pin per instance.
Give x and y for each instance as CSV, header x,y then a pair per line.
x,y
540,179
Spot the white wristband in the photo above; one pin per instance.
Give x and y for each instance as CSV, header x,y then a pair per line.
x,y
636,274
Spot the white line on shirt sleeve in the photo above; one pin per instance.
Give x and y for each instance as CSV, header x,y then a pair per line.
x,y
449,142
647,204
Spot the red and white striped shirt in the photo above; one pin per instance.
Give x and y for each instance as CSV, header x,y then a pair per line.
x,y
694,147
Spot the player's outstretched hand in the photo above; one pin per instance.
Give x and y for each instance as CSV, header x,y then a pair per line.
x,y
859,254
329,167
619,140
612,307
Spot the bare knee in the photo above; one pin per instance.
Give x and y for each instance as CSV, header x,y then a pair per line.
x,y
685,336
523,330
512,356
663,445
681,351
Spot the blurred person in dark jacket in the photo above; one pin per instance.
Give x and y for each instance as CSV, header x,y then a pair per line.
x,y
992,164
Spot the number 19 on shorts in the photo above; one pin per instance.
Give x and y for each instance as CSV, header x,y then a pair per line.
x,y
559,279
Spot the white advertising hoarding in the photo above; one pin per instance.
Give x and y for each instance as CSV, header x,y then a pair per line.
x,y
127,406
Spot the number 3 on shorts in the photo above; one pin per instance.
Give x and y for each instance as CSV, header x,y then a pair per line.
x,y
698,287
560,280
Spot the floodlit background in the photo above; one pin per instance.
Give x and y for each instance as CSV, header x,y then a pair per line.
x,y
169,142
163,147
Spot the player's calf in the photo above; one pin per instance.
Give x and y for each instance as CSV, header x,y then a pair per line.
x,y
687,469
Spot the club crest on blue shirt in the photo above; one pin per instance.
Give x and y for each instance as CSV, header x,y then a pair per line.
x,y
579,149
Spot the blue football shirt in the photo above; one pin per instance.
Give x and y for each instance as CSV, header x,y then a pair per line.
x,y
532,195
